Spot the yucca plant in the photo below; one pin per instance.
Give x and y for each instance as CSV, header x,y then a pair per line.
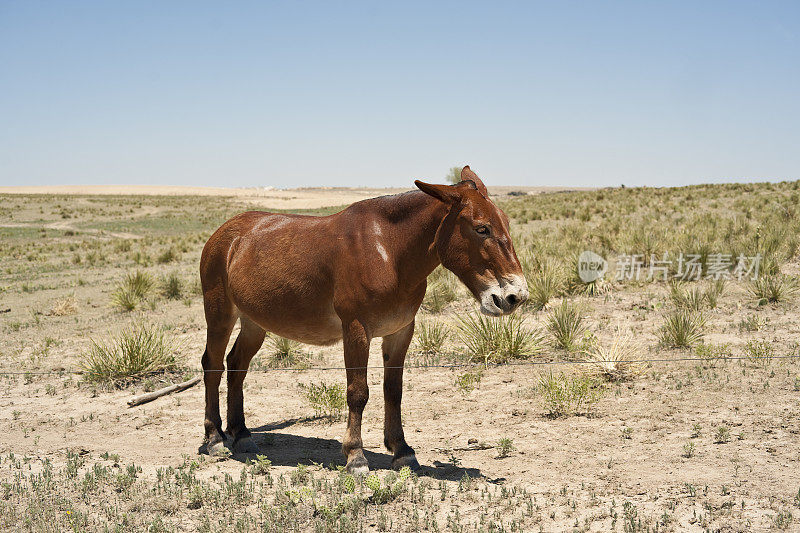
x,y
431,336
137,351
497,340
714,291
617,361
691,298
441,290
545,282
172,287
773,289
285,353
169,255
125,300
682,328
133,289
566,323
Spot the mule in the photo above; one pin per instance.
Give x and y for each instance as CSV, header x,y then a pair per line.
x,y
351,276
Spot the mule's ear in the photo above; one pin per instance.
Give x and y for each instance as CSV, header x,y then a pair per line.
x,y
468,175
445,193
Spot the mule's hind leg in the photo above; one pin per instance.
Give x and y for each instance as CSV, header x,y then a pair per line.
x,y
395,347
247,344
220,317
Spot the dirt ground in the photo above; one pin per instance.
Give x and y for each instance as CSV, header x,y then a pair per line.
x,y
624,466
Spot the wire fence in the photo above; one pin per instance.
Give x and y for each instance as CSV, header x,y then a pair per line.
x,y
414,366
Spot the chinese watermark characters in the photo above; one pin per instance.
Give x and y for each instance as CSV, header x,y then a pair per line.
x,y
686,267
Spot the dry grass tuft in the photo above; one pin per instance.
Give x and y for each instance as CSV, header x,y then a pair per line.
x,y
64,306
616,362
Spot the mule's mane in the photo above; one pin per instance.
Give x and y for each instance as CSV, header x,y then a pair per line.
x,y
398,206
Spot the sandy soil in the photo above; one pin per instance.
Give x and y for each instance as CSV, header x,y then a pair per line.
x,y
578,467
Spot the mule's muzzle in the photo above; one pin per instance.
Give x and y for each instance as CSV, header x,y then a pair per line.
x,y
504,298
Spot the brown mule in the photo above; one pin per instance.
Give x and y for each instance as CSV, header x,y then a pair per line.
x,y
352,276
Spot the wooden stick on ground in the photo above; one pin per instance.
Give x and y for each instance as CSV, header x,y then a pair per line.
x,y
150,396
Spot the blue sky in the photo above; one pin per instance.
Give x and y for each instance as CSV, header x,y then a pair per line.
x,y
377,94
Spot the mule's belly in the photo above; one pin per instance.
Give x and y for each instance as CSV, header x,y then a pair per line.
x,y
321,331
391,321
308,321
323,328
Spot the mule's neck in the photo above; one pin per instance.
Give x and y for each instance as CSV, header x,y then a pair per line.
x,y
415,217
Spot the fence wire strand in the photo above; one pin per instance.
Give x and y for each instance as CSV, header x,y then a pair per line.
x,y
425,366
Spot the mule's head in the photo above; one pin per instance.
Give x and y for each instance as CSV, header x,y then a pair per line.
x,y
474,243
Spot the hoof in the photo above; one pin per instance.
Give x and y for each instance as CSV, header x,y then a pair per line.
x,y
406,460
246,445
217,449
358,466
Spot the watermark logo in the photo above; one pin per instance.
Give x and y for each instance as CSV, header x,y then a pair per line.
x,y
685,267
591,266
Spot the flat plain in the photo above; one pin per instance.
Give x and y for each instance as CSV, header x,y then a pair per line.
x,y
520,424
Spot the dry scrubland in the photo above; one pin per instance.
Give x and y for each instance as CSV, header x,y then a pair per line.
x,y
109,284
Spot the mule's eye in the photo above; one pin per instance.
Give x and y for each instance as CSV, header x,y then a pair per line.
x,y
482,230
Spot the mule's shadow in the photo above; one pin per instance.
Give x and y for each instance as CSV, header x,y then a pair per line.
x,y
287,449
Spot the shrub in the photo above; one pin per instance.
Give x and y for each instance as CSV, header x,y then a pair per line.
x,y
325,399
710,354
568,395
682,329
498,340
722,435
260,465
566,323
504,447
453,175
468,381
759,352
751,323
615,362
688,450
140,350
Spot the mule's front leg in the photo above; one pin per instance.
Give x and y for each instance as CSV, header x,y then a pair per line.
x,y
395,347
356,356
